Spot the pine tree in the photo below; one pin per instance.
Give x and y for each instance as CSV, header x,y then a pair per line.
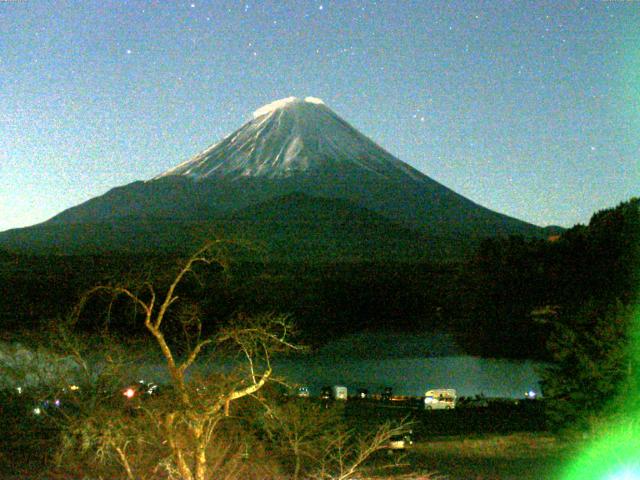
x,y
592,365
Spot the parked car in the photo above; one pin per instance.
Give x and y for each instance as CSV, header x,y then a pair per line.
x,y
340,392
387,393
401,441
337,392
326,393
303,392
363,393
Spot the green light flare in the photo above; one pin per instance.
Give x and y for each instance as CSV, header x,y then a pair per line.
x,y
615,454
625,474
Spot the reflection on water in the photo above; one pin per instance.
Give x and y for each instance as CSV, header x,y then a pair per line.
x,y
410,364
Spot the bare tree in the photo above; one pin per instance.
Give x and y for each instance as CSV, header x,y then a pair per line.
x,y
319,443
187,424
302,431
202,425
347,453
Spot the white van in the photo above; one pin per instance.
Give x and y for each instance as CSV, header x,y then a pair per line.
x,y
440,399
339,392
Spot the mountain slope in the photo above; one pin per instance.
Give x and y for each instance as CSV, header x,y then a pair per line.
x,y
290,146
301,227
290,228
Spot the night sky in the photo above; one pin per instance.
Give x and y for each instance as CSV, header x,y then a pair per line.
x,y
528,108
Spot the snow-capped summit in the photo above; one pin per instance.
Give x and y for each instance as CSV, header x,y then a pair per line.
x,y
284,103
288,137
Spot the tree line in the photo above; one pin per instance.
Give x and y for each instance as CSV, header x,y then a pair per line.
x,y
494,303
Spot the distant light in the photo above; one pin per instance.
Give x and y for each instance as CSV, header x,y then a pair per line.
x,y
530,394
129,393
57,402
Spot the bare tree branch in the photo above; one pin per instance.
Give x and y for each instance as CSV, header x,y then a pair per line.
x,y
188,425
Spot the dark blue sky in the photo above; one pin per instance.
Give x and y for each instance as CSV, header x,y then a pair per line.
x,y
529,108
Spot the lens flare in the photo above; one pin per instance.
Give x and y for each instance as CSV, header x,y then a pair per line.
x,y
615,453
632,473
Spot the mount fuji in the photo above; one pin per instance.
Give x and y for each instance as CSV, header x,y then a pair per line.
x,y
293,137
296,177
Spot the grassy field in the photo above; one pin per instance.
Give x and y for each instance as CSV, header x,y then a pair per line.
x,y
521,456
500,442
504,441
